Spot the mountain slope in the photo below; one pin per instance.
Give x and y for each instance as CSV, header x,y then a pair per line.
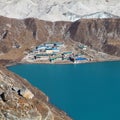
x,y
54,10
17,36
100,34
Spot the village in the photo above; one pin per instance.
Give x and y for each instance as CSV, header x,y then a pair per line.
x,y
54,52
60,52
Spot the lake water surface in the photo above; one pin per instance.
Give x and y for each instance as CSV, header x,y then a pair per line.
x,y
83,91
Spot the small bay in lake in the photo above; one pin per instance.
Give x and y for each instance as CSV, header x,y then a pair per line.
x,y
83,91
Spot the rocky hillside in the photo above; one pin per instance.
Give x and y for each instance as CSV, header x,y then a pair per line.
x,y
19,36
57,10
20,101
100,34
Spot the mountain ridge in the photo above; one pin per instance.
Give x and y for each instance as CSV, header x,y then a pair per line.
x,y
53,10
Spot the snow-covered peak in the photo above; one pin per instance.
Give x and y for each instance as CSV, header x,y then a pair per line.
x,y
55,10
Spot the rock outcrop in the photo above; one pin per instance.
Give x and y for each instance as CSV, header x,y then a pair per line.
x,y
20,101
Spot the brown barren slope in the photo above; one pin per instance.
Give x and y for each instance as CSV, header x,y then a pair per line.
x,y
100,34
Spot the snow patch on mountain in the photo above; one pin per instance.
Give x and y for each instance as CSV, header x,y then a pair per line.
x,y
54,10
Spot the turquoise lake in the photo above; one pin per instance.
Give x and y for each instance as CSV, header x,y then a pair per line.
x,y
83,91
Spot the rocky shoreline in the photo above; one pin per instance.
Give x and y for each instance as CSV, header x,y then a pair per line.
x,y
19,100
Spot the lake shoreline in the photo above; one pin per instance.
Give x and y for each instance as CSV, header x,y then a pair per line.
x,y
102,73
61,63
38,93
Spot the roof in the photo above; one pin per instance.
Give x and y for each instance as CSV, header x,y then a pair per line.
x,y
41,46
67,52
55,49
41,55
80,58
49,49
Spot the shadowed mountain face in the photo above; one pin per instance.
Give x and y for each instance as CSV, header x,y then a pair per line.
x,y
20,35
100,34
